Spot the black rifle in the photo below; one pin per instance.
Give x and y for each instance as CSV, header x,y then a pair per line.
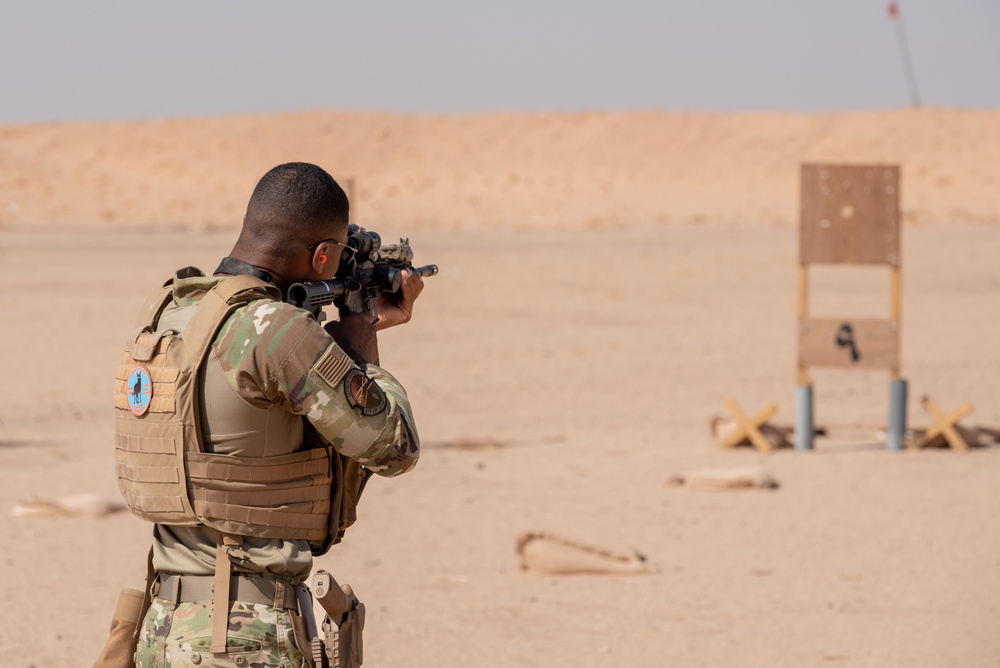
x,y
371,270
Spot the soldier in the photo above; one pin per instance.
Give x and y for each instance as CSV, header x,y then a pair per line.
x,y
257,432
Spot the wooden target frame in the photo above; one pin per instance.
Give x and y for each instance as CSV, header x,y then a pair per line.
x,y
849,215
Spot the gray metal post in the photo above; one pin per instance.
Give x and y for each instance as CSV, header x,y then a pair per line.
x,y
804,418
897,415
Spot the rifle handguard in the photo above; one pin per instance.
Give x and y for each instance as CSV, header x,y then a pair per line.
x,y
370,271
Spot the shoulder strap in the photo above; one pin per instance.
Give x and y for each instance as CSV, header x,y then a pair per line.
x,y
213,310
154,305
151,310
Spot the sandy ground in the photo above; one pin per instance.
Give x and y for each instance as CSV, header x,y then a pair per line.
x,y
592,357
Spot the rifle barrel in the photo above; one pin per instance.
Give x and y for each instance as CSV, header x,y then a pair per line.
x,y
426,270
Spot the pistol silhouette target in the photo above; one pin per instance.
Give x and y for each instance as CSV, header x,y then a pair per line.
x,y
859,343
845,339
849,215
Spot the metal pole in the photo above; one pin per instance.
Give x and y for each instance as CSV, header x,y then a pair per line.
x,y
897,415
804,429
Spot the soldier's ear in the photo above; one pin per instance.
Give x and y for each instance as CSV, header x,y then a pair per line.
x,y
319,257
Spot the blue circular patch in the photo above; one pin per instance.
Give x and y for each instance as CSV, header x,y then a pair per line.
x,y
139,390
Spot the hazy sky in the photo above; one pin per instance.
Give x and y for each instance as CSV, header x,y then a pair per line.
x,y
111,60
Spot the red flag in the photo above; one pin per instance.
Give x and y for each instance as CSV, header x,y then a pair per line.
x,y
893,10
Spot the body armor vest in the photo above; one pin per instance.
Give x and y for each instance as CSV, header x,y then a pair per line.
x,y
164,472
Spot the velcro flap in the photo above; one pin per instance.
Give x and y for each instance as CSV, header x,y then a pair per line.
x,y
157,374
252,469
166,474
144,346
278,521
156,404
146,444
155,504
264,497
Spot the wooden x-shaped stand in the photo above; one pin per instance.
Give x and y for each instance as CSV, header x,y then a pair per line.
x,y
749,428
944,425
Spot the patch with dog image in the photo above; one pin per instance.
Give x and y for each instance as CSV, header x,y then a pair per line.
x,y
140,390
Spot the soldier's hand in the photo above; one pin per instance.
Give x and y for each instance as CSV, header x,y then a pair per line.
x,y
355,336
395,309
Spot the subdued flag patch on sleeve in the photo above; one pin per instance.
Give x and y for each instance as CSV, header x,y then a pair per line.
x,y
332,366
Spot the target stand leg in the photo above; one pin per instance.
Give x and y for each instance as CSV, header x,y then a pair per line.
x,y
897,415
749,428
944,425
804,425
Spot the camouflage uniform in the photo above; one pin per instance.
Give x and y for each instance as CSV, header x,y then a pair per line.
x,y
274,357
181,637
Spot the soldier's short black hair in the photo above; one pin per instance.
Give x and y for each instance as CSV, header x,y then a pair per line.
x,y
297,200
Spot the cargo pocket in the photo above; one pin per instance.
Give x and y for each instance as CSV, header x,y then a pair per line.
x,y
250,641
240,652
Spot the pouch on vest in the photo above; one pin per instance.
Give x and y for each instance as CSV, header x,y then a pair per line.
x,y
119,650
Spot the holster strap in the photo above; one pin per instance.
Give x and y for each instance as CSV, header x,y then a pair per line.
x,y
242,587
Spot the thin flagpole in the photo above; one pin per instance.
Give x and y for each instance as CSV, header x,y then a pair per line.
x,y
904,52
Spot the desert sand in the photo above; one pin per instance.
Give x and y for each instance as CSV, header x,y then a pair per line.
x,y
607,282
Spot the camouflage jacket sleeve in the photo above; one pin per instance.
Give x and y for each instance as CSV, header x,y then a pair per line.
x,y
276,354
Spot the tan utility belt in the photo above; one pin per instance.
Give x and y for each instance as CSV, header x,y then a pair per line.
x,y
242,587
